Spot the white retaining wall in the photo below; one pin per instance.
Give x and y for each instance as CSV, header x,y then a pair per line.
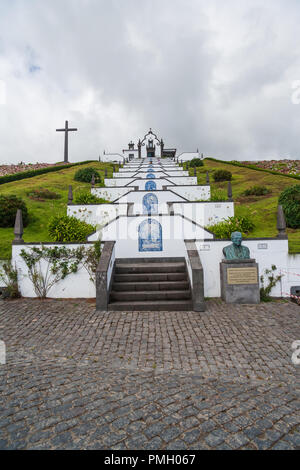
x,y
192,193
173,228
99,214
266,252
111,194
73,286
205,213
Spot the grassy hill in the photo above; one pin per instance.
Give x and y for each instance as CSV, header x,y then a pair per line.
x,y
41,212
262,209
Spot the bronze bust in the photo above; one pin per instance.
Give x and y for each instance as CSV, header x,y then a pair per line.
x,y
236,250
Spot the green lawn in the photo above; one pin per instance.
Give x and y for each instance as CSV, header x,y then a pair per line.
x,y
263,209
41,212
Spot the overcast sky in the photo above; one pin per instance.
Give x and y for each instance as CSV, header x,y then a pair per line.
x,y
217,75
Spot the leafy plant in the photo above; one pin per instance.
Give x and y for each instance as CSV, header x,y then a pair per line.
x,y
222,175
225,228
88,198
49,265
85,175
9,276
58,262
196,162
42,194
69,229
89,258
290,201
8,209
256,191
218,195
268,280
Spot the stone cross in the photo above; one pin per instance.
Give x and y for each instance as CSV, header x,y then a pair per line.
x,y
207,177
66,130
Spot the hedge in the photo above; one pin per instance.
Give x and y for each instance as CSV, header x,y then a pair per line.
x,y
31,173
253,167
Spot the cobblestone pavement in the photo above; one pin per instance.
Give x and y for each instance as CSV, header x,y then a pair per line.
x,y
79,379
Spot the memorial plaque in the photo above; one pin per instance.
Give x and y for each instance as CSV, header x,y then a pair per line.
x,y
242,276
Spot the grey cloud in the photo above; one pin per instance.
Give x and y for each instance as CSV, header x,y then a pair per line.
x,y
202,74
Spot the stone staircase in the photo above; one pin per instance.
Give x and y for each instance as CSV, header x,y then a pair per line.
x,y
150,284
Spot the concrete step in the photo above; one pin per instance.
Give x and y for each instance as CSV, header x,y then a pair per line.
x,y
152,306
150,295
122,268
150,277
150,286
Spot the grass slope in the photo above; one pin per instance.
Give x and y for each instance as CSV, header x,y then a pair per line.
x,y
263,209
41,212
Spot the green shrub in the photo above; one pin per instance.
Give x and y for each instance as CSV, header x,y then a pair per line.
x,y
85,175
8,210
225,228
222,175
290,201
218,194
42,194
196,162
256,191
69,229
88,198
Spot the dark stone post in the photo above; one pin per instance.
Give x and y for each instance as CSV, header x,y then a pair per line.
x,y
114,168
195,171
281,223
140,148
207,177
70,195
229,191
18,230
105,172
93,180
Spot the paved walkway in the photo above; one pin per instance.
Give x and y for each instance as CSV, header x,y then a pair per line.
x,y
77,379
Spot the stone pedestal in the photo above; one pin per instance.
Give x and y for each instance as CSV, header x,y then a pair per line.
x,y
240,281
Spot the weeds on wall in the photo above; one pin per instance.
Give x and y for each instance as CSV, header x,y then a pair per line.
x,y
268,280
47,266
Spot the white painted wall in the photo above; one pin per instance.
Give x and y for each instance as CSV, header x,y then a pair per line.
x,y
113,182
182,180
162,196
99,214
73,286
205,213
275,252
192,193
111,194
173,228
140,183
112,157
187,156
143,174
